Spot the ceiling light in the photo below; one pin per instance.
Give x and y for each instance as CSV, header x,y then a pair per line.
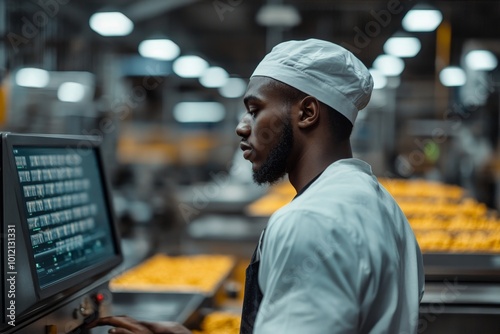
x,y
162,49
481,60
403,47
111,24
199,112
389,65
189,66
452,76
379,79
214,77
234,87
422,20
32,77
71,92
278,16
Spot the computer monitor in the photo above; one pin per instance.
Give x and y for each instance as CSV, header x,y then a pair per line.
x,y
59,230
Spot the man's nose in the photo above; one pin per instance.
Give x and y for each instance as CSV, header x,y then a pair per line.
x,y
243,128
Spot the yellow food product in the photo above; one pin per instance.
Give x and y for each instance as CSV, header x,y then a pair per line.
x,y
444,220
434,240
198,273
220,323
422,188
443,217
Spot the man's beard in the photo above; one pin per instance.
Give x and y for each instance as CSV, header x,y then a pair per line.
x,y
274,168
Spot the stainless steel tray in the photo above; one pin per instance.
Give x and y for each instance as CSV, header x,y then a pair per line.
x,y
150,306
470,267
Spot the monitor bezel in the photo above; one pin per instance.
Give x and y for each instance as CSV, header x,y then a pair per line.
x,y
88,275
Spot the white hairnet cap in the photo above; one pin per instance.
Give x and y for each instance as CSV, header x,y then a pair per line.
x,y
321,69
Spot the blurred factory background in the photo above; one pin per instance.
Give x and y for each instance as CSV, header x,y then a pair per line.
x,y
67,68
161,81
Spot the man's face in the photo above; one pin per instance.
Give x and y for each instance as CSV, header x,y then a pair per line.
x,y
266,131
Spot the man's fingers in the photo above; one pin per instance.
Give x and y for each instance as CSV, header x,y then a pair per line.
x,y
119,331
127,325
165,327
123,323
101,321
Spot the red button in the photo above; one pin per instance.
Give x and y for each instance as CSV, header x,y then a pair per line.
x,y
99,298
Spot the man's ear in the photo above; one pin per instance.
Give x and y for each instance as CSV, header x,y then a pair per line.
x,y
309,112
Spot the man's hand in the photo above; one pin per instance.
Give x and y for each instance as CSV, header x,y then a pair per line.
x,y
127,325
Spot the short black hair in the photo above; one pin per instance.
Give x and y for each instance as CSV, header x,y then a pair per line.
x,y
340,126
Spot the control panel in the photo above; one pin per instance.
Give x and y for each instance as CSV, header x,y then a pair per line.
x,y
73,316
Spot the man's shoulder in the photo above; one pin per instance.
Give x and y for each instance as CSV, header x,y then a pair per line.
x,y
295,221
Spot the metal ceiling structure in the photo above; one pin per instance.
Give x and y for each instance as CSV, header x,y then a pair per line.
x,y
225,32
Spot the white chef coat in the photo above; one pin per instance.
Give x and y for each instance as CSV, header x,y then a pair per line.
x,y
340,258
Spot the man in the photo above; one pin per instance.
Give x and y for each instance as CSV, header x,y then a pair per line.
x,y
341,257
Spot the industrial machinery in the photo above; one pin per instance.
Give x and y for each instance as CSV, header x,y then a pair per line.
x,y
60,239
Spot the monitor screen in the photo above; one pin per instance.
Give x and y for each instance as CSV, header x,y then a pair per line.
x,y
55,202
65,210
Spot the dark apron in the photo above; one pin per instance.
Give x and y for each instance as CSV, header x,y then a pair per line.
x,y
253,295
